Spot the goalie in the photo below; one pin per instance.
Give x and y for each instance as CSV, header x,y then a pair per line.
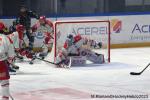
x,y
78,48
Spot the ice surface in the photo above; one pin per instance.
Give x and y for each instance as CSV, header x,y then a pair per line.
x,y
41,81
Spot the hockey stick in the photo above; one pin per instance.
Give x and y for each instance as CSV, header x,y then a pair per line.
x,y
51,36
11,97
45,61
67,66
139,73
24,43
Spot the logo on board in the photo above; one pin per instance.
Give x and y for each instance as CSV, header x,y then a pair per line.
x,y
116,25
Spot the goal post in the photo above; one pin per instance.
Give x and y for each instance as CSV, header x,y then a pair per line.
x,y
96,30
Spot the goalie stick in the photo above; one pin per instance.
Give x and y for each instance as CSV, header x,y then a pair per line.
x,y
65,66
139,73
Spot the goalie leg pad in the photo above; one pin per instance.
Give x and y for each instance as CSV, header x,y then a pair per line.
x,y
78,60
94,57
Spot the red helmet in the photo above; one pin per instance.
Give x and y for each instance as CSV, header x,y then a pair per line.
x,y
2,27
42,18
19,27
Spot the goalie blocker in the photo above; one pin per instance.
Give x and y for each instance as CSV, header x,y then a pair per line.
x,y
74,47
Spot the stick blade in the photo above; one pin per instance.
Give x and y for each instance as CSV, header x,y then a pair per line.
x,y
134,73
70,62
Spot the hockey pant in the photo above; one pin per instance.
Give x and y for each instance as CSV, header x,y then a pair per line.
x,y
92,56
5,89
78,60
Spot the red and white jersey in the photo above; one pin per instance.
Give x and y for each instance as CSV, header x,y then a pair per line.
x,y
46,30
6,48
6,52
72,46
47,27
15,39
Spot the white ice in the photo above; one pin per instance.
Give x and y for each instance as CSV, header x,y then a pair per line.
x,y
41,81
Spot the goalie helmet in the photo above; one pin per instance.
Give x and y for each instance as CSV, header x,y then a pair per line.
x,y
69,41
70,36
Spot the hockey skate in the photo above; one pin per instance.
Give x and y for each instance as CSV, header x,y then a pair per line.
x,y
12,71
32,59
20,57
43,55
15,66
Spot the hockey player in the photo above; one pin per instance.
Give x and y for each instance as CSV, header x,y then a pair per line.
x,y
17,37
6,54
19,44
74,47
45,27
12,67
24,19
17,40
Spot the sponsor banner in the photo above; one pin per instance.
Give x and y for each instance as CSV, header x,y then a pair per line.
x,y
124,29
130,29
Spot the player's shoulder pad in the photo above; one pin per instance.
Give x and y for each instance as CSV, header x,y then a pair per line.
x,y
49,23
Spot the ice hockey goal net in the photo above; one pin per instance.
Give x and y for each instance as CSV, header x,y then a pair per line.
x,y
96,30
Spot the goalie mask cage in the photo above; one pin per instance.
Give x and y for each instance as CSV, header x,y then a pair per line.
x,y
96,30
